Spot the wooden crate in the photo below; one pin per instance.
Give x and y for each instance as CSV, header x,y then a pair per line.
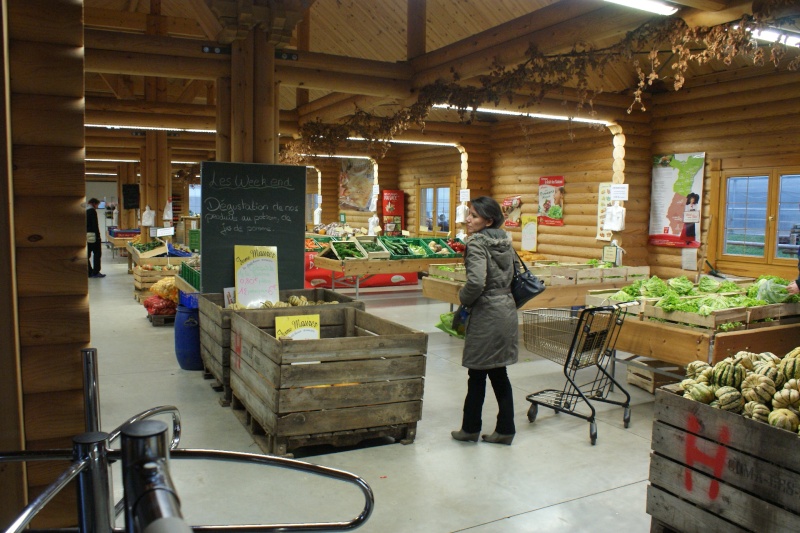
x,y
589,276
685,319
453,271
144,279
563,276
637,273
611,275
650,380
712,470
364,373
764,316
790,313
215,328
361,239
601,297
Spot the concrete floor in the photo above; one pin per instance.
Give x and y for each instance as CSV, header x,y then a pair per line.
x,y
550,480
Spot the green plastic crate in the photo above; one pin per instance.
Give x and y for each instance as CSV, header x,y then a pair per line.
x,y
194,240
191,275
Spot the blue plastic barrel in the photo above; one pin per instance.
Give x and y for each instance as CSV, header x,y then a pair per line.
x,y
187,338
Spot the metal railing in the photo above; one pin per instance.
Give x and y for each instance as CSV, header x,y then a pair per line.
x,y
150,501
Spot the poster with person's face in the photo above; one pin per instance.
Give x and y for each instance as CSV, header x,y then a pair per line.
x,y
551,201
675,200
355,184
512,210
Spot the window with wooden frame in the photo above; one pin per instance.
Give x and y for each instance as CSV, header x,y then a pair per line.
x,y
435,207
760,217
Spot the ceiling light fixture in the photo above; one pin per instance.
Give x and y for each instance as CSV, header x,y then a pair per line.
x,y
653,6
531,115
150,128
401,141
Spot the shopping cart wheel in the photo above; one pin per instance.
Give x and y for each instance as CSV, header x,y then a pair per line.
x,y
533,410
626,416
593,432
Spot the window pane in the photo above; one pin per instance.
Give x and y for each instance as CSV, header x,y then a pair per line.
x,y
788,216
443,209
746,215
426,210
194,199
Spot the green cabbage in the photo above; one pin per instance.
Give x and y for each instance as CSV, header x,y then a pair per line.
x,y
555,212
708,284
729,286
622,296
654,286
681,285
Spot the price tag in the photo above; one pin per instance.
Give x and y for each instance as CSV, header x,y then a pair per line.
x,y
463,195
618,192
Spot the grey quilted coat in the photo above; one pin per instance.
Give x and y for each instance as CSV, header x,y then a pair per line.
x,y
492,329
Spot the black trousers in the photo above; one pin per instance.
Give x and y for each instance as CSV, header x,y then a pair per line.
x,y
95,252
476,391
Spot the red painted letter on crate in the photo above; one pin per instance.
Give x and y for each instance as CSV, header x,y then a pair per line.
x,y
693,455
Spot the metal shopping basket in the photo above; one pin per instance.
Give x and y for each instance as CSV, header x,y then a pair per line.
x,y
577,340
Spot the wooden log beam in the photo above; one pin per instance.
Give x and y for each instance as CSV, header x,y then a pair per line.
x,y
125,21
95,103
149,120
415,33
609,21
136,64
206,19
342,82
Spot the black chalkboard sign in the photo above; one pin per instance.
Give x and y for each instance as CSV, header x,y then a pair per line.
x,y
256,205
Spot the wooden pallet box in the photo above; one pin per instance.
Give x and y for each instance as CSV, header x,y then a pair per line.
x,y
764,316
694,320
215,327
636,273
614,274
589,276
452,271
649,379
711,470
563,276
790,313
601,297
363,373
144,279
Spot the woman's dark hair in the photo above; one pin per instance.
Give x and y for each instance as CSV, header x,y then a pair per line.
x,y
693,195
93,201
488,208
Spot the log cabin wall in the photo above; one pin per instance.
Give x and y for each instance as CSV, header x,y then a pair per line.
x,y
46,122
740,123
527,149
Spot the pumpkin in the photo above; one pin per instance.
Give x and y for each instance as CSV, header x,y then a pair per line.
x,y
793,354
758,388
686,383
730,399
784,419
744,359
786,399
701,392
756,411
728,374
792,384
769,357
695,367
771,371
789,367
706,375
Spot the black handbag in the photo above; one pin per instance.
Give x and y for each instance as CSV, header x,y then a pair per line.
x,y
524,285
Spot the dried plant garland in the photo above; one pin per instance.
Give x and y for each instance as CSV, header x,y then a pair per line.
x,y
542,74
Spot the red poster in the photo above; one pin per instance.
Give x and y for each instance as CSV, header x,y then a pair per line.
x,y
394,207
551,200
512,209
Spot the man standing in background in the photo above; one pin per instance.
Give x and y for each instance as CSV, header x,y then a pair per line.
x,y
94,246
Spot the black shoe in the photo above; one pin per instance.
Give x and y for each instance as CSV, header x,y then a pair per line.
x,y
99,275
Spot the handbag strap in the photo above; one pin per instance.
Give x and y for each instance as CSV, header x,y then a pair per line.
x,y
520,261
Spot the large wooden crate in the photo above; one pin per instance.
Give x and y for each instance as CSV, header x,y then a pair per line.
x,y
711,322
712,470
144,279
215,328
651,377
363,378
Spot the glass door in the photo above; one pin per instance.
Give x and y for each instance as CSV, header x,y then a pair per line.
x,y
435,210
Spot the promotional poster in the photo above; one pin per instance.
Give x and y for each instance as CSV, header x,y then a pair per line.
x,y
551,201
676,200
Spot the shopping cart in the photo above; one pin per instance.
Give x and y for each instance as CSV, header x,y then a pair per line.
x,y
577,339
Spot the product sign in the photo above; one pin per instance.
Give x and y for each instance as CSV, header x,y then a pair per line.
x,y
529,233
551,200
393,212
676,199
256,274
604,201
300,327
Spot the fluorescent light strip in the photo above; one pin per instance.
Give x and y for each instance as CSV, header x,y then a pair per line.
x,y
337,156
111,160
149,128
400,141
100,174
531,115
659,8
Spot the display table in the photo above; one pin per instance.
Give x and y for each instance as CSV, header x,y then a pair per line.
x,y
555,296
360,269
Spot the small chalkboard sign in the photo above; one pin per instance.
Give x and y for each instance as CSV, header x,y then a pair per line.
x,y
256,205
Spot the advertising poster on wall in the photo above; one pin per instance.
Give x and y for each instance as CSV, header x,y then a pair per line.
x,y
603,203
551,200
529,233
355,184
676,199
512,209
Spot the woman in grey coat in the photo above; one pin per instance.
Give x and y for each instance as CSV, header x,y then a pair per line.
x,y
492,328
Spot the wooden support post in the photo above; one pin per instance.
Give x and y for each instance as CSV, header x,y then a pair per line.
x,y
224,119
265,125
242,100
415,45
303,44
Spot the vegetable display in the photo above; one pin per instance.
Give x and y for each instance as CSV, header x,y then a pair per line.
x,y
760,386
347,250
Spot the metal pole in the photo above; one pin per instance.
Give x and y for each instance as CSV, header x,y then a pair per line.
x,y
91,389
151,502
95,505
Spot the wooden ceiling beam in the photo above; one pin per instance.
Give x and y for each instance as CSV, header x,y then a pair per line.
x,y
126,21
706,5
347,83
149,120
121,86
136,64
206,19
600,24
734,10
94,103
